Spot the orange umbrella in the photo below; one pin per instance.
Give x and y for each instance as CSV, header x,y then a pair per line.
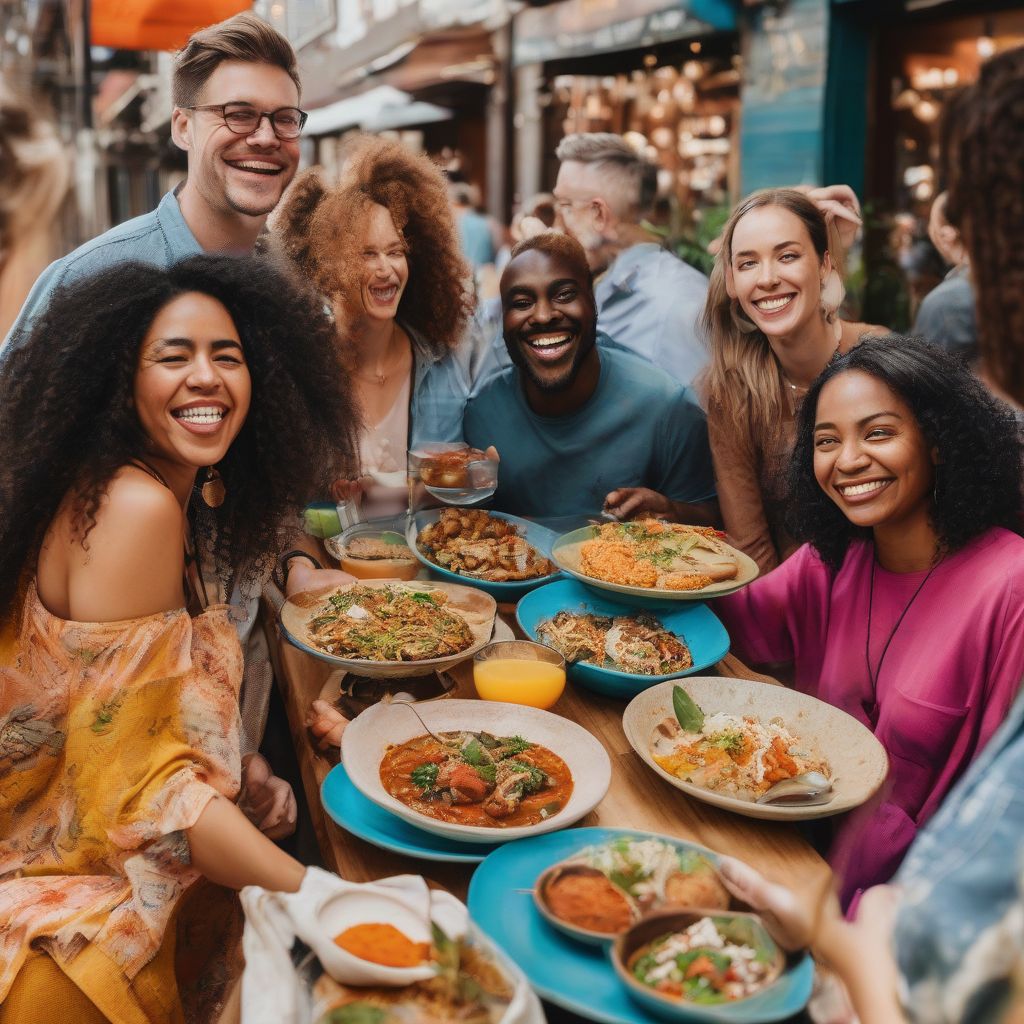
x,y
156,24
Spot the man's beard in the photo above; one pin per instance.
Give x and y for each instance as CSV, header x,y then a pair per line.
x,y
564,382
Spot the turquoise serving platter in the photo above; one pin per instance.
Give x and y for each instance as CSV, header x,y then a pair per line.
x,y
578,977
350,810
693,622
540,537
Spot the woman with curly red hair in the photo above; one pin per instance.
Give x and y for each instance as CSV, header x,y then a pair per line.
x,y
382,247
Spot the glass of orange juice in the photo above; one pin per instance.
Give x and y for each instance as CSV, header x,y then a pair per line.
x,y
519,672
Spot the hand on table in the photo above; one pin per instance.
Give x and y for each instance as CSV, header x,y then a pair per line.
x,y
302,576
630,501
326,723
266,800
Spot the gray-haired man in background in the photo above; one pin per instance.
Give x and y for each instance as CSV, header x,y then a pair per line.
x,y
648,300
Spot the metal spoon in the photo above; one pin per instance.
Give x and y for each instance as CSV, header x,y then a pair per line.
x,y
806,789
408,704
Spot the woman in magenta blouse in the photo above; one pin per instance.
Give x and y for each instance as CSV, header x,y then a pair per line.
x,y
906,606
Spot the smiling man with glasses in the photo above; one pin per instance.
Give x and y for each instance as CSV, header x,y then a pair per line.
x,y
236,89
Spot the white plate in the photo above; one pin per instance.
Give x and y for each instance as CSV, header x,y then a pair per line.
x,y
565,553
367,738
476,607
858,762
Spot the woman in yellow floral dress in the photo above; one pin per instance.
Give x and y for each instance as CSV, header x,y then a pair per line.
x,y
119,757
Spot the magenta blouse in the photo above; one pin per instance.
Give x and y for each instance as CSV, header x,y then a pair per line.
x,y
951,672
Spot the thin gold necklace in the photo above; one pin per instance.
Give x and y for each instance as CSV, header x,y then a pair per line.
x,y
803,387
377,377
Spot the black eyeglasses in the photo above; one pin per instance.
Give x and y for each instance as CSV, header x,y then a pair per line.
x,y
243,119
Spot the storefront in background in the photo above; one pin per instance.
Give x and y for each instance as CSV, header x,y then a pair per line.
x,y
667,78
892,69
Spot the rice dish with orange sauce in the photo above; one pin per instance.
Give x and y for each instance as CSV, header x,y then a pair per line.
x,y
734,755
656,555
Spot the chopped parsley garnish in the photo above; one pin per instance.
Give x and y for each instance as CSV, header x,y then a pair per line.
x,y
425,776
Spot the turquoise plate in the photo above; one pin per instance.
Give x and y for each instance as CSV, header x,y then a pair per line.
x,y
578,977
693,621
350,810
539,536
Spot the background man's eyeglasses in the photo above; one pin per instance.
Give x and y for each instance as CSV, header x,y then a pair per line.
x,y
243,119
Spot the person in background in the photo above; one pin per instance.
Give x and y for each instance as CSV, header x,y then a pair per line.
x,y
946,313
382,248
474,228
904,608
648,300
34,176
772,316
944,943
574,418
120,666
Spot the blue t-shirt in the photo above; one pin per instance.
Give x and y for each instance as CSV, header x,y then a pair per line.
x,y
639,429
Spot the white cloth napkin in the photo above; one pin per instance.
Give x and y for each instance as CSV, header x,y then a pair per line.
x,y
325,905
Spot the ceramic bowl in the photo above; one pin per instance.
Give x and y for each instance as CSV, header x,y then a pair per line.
x,y
857,760
476,608
368,737
539,536
566,555
692,622
735,926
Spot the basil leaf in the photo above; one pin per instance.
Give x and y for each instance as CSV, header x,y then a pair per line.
x,y
688,715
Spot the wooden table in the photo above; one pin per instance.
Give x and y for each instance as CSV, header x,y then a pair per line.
x,y
636,799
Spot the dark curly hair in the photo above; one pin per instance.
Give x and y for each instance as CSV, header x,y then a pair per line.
x,y
321,228
976,436
984,165
68,416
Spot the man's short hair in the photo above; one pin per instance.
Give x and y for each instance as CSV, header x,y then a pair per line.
x,y
560,246
629,182
245,37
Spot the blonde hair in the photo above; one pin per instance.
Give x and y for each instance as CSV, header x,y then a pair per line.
x,y
629,183
744,376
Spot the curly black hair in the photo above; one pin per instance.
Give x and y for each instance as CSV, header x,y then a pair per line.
x,y
976,437
69,422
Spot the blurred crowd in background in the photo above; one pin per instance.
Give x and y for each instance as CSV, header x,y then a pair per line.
x,y
723,97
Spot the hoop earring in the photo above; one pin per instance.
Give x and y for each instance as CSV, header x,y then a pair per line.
x,y
832,294
213,490
740,319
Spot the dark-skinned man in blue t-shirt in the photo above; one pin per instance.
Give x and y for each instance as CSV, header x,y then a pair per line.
x,y
581,427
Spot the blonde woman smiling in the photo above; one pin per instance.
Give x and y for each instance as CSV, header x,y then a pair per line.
x,y
772,320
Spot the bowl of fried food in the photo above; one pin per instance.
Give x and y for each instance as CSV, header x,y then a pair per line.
x,y
500,554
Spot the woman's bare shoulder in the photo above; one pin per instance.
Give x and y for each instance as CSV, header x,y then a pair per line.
x,y
130,563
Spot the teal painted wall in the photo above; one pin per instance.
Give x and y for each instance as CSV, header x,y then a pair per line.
x,y
785,54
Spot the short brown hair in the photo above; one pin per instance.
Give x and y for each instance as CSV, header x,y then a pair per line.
x,y
244,37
